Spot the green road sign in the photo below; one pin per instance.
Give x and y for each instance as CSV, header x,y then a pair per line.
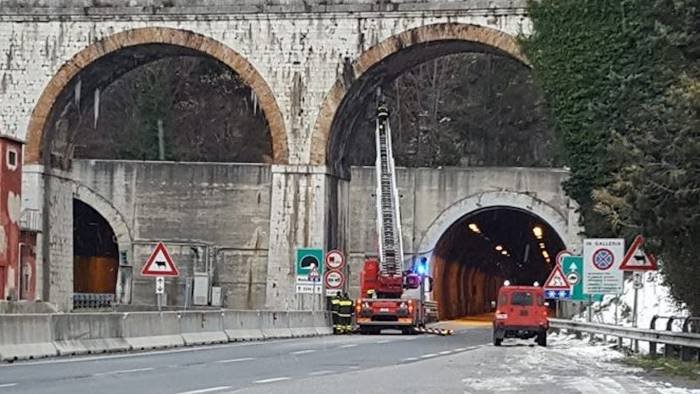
x,y
306,257
573,270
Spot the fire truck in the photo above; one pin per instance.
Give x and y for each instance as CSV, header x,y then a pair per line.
x,y
385,302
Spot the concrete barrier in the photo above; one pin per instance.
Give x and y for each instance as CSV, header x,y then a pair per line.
x,y
275,325
148,330
81,333
322,323
200,328
302,324
243,325
25,337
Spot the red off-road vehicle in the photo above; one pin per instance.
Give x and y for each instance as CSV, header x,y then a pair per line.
x,y
521,312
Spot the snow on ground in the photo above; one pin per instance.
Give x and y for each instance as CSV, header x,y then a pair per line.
x,y
652,299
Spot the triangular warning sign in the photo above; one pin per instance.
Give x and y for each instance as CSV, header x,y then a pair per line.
x,y
160,263
557,280
636,259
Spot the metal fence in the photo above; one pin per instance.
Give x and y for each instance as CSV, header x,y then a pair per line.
x,y
685,344
92,300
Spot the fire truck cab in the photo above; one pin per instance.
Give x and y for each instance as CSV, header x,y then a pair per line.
x,y
521,312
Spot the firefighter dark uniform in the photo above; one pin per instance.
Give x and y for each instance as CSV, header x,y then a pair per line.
x,y
345,314
335,309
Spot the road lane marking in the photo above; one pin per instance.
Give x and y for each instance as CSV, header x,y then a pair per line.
x,y
347,346
235,360
7,385
428,355
123,371
384,341
409,359
318,373
271,380
446,352
460,349
304,351
209,390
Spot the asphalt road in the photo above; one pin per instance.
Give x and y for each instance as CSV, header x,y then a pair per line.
x,y
225,368
463,363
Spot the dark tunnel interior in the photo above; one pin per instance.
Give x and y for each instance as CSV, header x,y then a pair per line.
x,y
484,248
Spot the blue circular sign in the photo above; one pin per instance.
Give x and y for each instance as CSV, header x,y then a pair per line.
x,y
603,259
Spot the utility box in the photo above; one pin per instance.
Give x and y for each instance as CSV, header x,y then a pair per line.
x,y
201,289
216,296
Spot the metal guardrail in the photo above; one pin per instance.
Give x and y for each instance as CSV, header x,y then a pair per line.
x,y
92,300
684,340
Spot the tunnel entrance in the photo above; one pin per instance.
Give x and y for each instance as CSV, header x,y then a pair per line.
x,y
484,248
95,254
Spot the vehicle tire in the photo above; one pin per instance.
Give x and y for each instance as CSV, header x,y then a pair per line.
x,y
497,341
542,338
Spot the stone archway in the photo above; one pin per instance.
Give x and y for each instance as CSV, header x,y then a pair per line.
x,y
530,204
155,35
478,36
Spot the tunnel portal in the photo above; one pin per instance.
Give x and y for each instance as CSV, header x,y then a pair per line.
x,y
484,248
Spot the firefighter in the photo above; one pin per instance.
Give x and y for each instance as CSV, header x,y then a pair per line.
x,y
345,314
335,309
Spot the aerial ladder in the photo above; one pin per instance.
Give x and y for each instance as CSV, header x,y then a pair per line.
x,y
383,302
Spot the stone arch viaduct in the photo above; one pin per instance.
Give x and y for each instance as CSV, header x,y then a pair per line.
x,y
307,64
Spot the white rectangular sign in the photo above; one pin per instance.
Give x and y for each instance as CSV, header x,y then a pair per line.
x,y
601,265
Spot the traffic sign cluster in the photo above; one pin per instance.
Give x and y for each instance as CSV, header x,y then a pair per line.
x,y
599,271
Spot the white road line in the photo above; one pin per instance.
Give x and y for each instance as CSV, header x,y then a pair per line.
x,y
271,380
235,360
209,390
409,359
304,351
7,385
347,346
123,371
460,349
428,355
446,352
139,354
384,341
318,373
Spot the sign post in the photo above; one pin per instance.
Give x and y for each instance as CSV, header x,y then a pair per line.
x,y
637,261
160,265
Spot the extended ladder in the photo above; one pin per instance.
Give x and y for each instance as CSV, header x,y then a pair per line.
x,y
388,216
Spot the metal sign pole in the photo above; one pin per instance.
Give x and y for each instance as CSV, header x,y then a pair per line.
x,y
637,284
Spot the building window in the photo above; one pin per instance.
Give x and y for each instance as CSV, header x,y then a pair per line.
x,y
11,159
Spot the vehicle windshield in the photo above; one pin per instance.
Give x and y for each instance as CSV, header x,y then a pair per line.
x,y
521,298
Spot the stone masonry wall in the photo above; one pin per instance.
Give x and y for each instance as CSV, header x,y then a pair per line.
x,y
220,210
426,193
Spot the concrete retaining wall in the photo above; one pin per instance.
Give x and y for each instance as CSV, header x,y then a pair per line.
x,y
82,333
147,330
243,325
26,336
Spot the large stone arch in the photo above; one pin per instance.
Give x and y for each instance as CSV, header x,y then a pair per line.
x,y
507,199
155,35
481,36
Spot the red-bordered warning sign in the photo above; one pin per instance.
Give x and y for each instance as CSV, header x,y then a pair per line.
x,y
557,280
636,259
160,263
334,280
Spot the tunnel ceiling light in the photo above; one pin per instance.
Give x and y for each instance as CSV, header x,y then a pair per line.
x,y
499,247
537,230
474,228
545,254
505,253
541,245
